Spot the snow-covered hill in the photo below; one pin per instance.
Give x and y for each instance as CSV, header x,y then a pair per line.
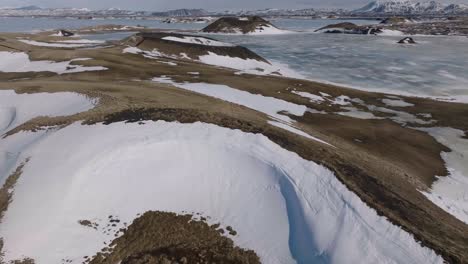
x,y
412,7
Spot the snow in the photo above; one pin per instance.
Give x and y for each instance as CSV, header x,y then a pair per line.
x,y
451,192
245,66
341,100
248,66
267,105
268,30
396,103
16,109
287,209
154,55
58,45
412,7
20,62
400,116
132,50
356,113
294,130
199,41
259,30
81,41
313,98
168,63
390,32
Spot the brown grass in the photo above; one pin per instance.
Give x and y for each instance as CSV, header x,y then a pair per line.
x,y
160,237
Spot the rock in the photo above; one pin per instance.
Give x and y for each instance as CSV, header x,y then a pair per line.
x,y
407,40
169,20
350,28
65,33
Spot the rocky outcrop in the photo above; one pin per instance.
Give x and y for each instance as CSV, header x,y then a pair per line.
x,y
457,27
394,20
407,40
188,20
191,46
350,28
65,33
243,25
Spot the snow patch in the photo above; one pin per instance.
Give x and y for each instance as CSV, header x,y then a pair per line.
x,y
390,32
341,100
451,192
248,66
268,30
199,41
400,116
245,66
356,113
20,62
267,105
81,41
312,97
58,45
396,103
16,109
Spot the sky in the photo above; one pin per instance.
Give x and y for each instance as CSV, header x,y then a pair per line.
x,y
211,5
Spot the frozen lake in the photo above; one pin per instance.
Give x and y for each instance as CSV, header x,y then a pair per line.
x,y
437,66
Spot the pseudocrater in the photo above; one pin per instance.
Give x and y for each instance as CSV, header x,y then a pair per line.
x,y
285,208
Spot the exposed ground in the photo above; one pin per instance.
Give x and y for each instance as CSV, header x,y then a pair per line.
x,y
384,162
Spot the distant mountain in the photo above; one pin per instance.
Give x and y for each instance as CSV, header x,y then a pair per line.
x,y
280,12
182,13
411,7
273,12
31,7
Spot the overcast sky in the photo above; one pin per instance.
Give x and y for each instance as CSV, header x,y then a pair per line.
x,y
212,5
